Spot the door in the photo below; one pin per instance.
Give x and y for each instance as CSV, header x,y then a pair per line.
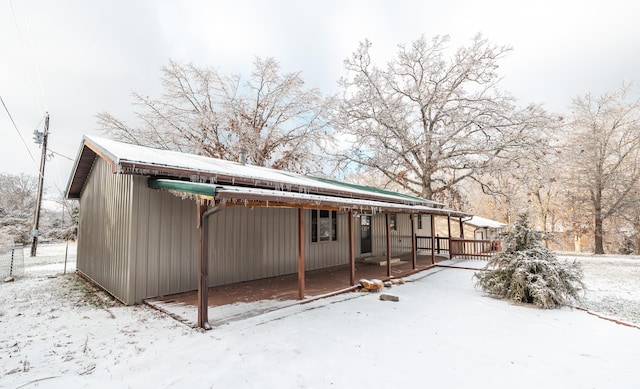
x,y
365,234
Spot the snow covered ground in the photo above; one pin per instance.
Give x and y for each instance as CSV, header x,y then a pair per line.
x,y
58,331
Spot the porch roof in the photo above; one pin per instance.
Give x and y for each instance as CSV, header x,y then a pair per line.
x,y
279,198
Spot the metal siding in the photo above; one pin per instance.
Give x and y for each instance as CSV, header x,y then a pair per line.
x,y
188,275
262,245
250,244
105,225
400,238
140,238
152,238
378,242
426,225
320,255
177,248
166,242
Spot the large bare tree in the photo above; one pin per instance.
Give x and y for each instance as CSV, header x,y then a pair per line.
x,y
271,115
17,202
605,155
429,121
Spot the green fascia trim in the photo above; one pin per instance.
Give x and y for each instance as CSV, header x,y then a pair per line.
x,y
373,190
195,188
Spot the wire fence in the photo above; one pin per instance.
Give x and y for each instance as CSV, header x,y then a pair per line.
x,y
11,261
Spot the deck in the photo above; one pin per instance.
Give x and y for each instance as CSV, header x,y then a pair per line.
x,y
318,283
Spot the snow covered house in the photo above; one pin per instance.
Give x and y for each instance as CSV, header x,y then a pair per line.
x,y
141,209
483,228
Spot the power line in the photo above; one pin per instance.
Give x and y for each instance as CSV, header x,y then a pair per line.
x,y
61,155
18,131
26,60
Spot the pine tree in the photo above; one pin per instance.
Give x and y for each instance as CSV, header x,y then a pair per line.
x,y
528,272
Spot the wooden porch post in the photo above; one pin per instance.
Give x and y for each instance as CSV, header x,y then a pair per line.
x,y
203,267
461,229
433,239
388,245
352,255
413,242
301,253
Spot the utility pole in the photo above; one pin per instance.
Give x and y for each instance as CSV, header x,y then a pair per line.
x,y
40,138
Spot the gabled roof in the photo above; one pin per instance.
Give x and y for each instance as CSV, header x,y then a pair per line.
x,y
127,158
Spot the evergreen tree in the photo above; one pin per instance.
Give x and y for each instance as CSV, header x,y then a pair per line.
x,y
526,271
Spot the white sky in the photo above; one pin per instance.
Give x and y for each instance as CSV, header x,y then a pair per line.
x,y
81,58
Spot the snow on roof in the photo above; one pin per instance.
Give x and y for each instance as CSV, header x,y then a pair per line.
x,y
483,222
239,194
135,159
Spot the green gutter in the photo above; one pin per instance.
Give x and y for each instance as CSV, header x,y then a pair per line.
x,y
195,188
373,190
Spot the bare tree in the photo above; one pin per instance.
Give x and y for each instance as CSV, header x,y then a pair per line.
x,y
574,213
605,158
270,116
17,204
428,122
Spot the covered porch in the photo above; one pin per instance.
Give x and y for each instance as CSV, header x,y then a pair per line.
x,y
306,284
259,296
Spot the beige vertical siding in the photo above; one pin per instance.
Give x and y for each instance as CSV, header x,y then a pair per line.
x,y
319,255
247,244
400,237
104,228
426,225
165,242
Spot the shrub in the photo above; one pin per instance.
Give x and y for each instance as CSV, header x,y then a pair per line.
x,y
526,271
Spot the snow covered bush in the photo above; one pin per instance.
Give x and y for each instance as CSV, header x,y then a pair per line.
x,y
526,271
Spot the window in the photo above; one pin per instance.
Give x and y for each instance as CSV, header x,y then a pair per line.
x,y
324,225
419,222
393,221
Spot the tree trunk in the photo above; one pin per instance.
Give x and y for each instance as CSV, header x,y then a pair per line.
x,y
577,242
597,213
599,247
544,229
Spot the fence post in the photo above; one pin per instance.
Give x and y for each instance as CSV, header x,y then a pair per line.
x,y
452,251
11,266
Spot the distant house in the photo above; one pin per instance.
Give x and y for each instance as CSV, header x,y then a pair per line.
x,y
141,209
483,228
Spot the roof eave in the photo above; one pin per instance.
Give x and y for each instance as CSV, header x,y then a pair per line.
x,y
133,167
82,166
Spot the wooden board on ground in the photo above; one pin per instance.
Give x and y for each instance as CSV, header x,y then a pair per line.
x,y
382,261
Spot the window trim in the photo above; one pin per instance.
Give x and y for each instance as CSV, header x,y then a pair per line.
x,y
393,221
316,224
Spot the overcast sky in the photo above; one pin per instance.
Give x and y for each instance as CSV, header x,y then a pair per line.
x,y
77,58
